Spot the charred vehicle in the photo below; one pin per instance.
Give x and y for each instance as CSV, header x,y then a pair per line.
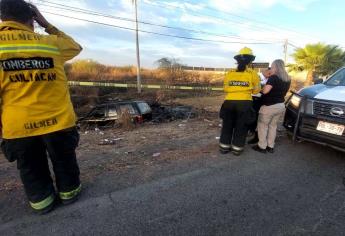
x,y
109,113
317,113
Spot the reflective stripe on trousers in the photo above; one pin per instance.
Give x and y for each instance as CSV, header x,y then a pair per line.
x,y
70,194
44,203
224,146
236,148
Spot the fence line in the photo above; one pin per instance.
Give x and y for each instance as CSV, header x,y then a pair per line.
x,y
146,86
255,65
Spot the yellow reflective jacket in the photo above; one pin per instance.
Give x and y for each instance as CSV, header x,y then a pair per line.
x,y
35,97
241,85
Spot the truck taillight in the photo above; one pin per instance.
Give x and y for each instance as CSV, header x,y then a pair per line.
x,y
139,119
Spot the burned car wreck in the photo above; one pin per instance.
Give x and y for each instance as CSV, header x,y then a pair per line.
x,y
110,113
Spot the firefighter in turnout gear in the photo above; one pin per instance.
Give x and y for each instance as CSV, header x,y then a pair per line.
x,y
36,111
237,112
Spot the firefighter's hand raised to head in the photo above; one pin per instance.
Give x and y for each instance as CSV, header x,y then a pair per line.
x,y
38,17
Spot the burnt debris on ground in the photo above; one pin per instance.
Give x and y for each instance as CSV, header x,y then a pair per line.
x,y
167,113
131,113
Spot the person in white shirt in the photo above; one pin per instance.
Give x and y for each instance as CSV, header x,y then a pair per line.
x,y
264,76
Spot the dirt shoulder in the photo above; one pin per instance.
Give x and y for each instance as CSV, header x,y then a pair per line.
x,y
148,152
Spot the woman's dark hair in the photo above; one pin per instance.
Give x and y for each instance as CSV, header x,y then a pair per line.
x,y
243,61
15,10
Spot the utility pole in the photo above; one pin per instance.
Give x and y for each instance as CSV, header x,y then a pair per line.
x,y
137,45
285,50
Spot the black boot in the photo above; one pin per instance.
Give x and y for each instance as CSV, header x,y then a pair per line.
x,y
254,140
223,151
236,153
259,149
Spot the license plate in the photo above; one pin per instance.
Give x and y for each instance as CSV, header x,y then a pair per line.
x,y
331,128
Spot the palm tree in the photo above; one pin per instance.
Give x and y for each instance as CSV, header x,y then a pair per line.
x,y
334,58
319,59
309,58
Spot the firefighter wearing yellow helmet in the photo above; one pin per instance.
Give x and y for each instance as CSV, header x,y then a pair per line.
x,y
237,111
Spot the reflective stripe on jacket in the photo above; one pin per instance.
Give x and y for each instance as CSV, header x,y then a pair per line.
x,y
241,85
35,96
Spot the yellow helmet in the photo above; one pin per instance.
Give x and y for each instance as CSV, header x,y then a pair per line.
x,y
245,54
246,51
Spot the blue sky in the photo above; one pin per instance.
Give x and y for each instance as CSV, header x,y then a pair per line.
x,y
229,24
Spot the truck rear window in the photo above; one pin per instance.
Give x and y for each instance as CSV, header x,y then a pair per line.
x,y
129,108
144,108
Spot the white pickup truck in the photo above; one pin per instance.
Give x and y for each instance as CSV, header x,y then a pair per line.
x,y
317,113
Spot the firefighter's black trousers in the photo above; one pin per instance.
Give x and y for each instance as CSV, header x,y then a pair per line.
x,y
236,115
31,156
257,102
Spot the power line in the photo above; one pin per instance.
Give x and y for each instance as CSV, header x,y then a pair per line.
x,y
292,45
155,33
178,28
244,24
142,22
156,4
84,11
249,19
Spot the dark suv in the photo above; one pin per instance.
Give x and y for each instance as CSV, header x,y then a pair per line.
x,y
109,113
317,113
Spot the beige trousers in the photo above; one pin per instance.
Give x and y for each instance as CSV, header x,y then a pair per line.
x,y
267,124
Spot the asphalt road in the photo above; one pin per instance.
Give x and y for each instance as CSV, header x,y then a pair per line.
x,y
296,191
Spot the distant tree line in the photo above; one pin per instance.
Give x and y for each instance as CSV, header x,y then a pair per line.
x,y
319,60
169,71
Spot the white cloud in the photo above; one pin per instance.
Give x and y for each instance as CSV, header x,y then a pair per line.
x,y
187,18
298,5
112,46
235,5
